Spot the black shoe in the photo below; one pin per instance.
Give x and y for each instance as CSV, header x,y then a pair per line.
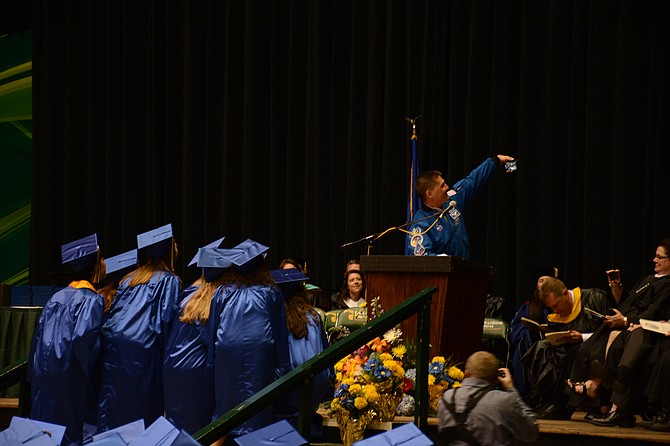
x,y
661,423
646,423
591,415
553,412
609,379
615,418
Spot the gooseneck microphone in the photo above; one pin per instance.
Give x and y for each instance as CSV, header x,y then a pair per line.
x,y
452,204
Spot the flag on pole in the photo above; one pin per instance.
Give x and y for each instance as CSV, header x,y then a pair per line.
x,y
413,200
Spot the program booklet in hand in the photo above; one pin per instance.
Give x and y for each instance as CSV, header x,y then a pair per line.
x,y
557,338
533,325
658,327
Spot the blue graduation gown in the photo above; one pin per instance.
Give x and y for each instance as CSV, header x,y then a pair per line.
x,y
133,341
302,350
521,338
251,350
64,351
188,368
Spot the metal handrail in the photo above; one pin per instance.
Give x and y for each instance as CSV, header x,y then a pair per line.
x,y
17,373
418,305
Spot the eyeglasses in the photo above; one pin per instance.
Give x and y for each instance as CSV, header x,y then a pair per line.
x,y
657,257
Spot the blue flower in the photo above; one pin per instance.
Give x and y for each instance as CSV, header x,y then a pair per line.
x,y
342,390
435,368
382,372
371,364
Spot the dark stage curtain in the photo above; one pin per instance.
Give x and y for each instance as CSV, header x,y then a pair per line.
x,y
284,122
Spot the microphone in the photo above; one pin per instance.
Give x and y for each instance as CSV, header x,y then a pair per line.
x,y
452,204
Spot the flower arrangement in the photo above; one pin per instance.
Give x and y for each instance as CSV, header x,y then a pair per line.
x,y
443,374
369,385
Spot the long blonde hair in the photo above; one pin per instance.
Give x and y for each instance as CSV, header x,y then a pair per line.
x,y
144,273
197,308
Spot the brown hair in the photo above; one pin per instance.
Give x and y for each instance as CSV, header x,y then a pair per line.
x,y
297,310
551,286
426,181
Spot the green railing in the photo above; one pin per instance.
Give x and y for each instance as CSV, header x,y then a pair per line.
x,y
17,373
418,305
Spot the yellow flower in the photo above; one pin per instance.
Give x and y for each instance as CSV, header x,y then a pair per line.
x,y
370,393
455,373
338,377
340,363
431,380
399,351
456,384
348,381
385,357
355,388
438,359
395,368
360,403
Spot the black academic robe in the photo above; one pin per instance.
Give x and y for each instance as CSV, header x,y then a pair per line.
x,y
648,300
549,365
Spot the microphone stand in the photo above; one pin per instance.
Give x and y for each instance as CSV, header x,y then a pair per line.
x,y
372,237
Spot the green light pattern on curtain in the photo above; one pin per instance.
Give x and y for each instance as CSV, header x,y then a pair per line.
x,y
16,138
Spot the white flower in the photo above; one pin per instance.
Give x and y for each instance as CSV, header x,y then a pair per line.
x,y
393,335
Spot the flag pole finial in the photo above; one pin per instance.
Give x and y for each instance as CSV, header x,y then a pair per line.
x,y
413,121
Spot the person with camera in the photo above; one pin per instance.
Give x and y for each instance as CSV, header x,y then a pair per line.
x,y
478,413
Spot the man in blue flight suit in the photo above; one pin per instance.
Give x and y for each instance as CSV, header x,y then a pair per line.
x,y
446,233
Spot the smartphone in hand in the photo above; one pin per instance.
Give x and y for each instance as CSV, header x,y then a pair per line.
x,y
614,275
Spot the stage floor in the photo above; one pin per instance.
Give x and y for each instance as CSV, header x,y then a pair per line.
x,y
575,432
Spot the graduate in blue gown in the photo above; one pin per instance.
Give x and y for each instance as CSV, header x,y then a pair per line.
x,y
134,334
306,339
67,343
117,267
251,348
188,365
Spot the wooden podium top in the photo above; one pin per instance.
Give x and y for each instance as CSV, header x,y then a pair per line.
x,y
422,264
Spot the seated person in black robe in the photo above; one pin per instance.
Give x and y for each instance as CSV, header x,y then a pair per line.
x,y
550,365
645,301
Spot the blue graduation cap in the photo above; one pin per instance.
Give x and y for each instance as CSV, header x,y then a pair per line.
x,y
288,275
128,433
214,244
23,431
80,253
156,242
249,255
288,280
214,261
118,264
163,433
109,440
405,435
280,433
160,433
